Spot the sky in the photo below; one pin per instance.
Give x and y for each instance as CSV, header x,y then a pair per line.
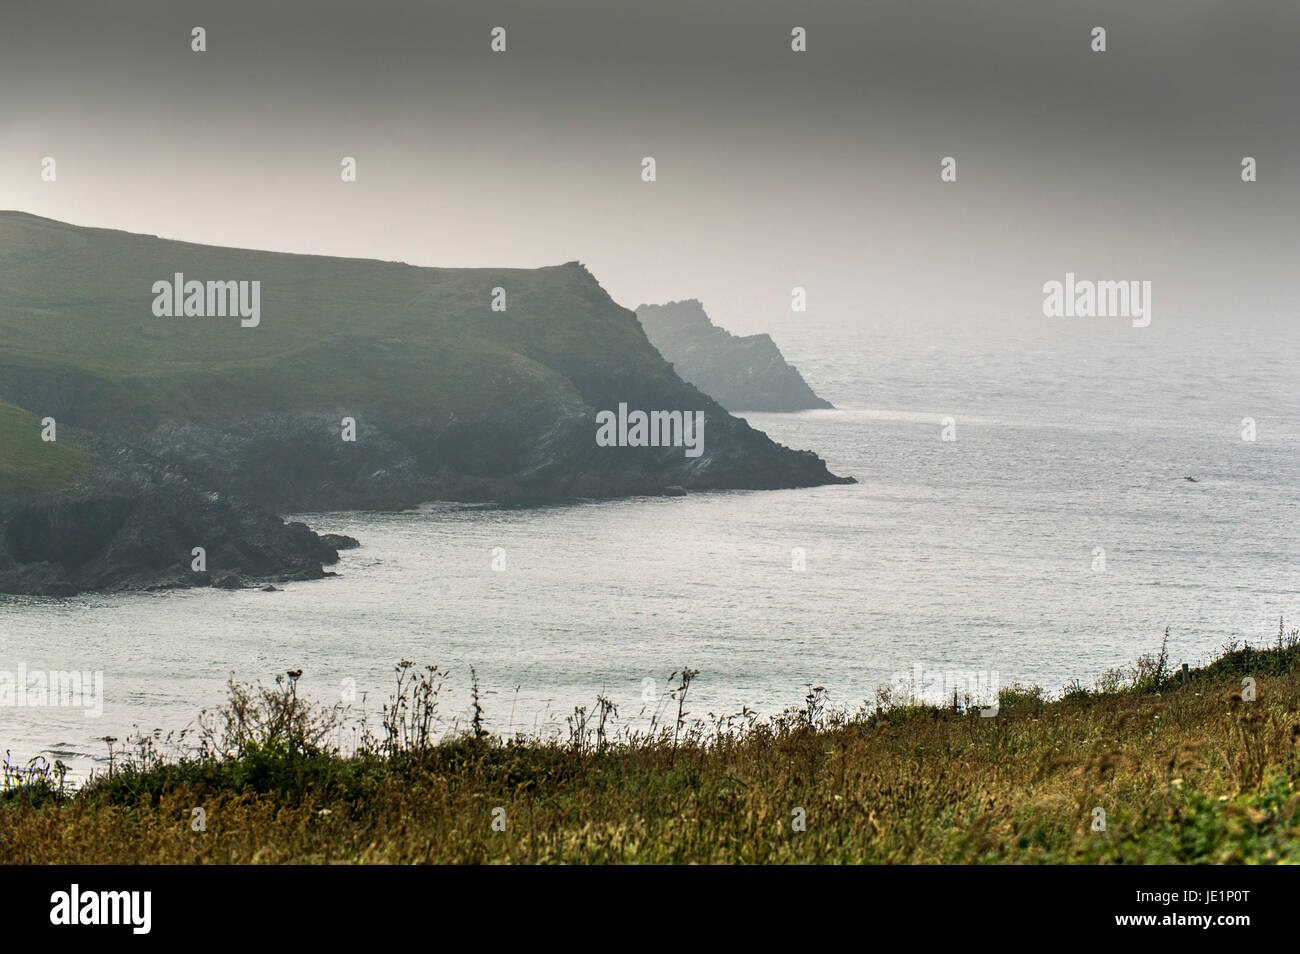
x,y
775,169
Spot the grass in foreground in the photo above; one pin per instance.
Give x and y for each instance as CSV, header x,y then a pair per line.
x,y
1188,771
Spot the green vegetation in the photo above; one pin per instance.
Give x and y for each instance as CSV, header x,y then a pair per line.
x,y
29,463
1186,769
76,305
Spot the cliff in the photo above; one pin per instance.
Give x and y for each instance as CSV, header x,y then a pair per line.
x,y
361,384
741,373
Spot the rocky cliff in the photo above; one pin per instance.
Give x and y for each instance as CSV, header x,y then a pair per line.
x,y
741,373
361,384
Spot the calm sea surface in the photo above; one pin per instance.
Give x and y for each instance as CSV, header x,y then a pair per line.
x,y
976,554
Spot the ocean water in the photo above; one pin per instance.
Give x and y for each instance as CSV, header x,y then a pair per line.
x,y
974,555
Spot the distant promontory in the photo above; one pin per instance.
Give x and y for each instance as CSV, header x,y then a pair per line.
x,y
745,373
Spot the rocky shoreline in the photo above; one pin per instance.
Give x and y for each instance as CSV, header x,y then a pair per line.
x,y
149,498
112,532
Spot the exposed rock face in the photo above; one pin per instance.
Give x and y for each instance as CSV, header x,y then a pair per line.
x,y
296,462
741,373
116,532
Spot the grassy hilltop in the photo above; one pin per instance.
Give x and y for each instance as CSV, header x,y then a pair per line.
x,y
1184,772
75,303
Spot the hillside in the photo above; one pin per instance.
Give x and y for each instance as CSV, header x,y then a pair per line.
x,y
450,398
29,463
746,373
1177,770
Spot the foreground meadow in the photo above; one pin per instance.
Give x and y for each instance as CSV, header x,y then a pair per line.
x,y
1152,766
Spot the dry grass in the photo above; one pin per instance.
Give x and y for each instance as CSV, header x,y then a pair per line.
x,y
1183,773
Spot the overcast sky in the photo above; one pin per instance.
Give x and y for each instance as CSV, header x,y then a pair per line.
x,y
775,169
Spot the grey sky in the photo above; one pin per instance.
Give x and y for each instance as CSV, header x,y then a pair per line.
x,y
775,169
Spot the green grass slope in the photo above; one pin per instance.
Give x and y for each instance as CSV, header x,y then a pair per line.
x,y
76,307
28,463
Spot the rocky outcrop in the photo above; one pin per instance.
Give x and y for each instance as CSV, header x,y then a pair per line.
x,y
62,544
133,524
297,462
741,373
